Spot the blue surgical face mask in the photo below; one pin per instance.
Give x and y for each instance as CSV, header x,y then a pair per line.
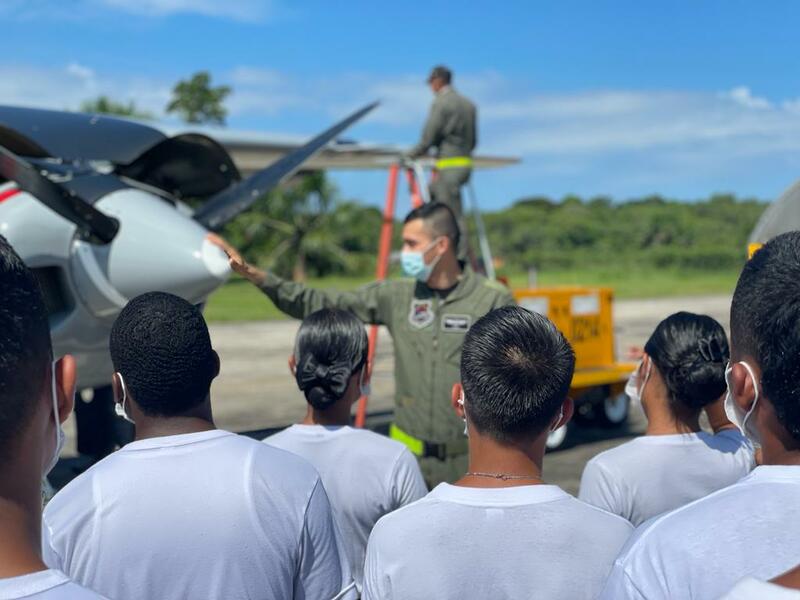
x,y
60,436
413,263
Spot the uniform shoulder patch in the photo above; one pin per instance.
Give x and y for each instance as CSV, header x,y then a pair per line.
x,y
421,314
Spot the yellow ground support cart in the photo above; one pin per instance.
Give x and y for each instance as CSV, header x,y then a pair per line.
x,y
584,316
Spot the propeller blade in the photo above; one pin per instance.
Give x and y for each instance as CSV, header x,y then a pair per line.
x,y
229,203
91,223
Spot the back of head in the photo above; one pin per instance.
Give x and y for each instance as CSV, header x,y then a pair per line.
x,y
690,351
25,347
331,346
516,369
441,73
439,220
765,324
161,347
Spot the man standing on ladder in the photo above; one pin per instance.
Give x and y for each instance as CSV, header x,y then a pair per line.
x,y
452,129
428,312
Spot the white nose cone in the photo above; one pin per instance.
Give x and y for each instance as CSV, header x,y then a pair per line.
x,y
216,260
159,249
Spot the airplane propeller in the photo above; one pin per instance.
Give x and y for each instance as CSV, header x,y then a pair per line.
x,y
227,204
91,223
221,208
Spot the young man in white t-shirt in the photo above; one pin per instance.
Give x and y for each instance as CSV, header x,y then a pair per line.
x,y
365,474
674,462
500,531
36,396
187,510
752,528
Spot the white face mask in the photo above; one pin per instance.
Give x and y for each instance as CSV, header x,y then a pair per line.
x,y
734,412
461,402
119,407
60,435
633,389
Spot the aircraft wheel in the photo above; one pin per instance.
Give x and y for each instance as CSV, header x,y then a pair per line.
x,y
613,410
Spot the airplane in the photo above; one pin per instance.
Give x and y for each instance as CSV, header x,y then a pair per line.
x,y
96,206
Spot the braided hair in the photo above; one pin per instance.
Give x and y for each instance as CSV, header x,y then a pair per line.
x,y
691,352
331,346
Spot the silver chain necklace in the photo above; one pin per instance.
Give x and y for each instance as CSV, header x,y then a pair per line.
x,y
503,476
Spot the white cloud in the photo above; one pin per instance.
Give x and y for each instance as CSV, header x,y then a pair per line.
x,y
68,86
744,96
239,10
694,133
250,11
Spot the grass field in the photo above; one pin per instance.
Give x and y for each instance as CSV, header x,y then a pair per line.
x,y
238,300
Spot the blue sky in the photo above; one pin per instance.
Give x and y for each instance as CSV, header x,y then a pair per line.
x,y
598,98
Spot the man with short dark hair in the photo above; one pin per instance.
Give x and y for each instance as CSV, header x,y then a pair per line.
x,y
500,531
451,128
36,395
188,510
752,528
427,313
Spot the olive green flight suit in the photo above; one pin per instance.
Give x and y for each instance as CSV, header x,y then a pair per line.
x,y
427,332
452,129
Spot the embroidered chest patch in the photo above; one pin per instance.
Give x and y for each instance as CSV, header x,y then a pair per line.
x,y
456,323
421,313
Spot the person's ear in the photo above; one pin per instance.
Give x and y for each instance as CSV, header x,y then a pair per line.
x,y
216,364
564,415
367,370
456,399
444,243
292,365
116,387
66,380
743,387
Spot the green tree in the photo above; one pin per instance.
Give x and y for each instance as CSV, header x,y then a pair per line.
x,y
106,106
196,101
295,229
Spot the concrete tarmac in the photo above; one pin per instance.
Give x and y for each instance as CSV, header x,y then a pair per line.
x,y
255,390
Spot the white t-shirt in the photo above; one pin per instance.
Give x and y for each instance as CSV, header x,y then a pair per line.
x,y
44,585
753,589
655,473
366,476
533,541
199,515
751,528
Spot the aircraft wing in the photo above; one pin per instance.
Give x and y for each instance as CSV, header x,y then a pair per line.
x,y
779,217
253,151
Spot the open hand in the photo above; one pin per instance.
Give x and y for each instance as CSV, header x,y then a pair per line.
x,y
235,260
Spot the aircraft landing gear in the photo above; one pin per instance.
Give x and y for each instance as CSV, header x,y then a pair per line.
x,y
100,430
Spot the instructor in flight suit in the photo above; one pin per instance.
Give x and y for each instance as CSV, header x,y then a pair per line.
x,y
427,313
451,128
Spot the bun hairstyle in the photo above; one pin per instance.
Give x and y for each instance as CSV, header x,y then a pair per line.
x,y
691,352
331,346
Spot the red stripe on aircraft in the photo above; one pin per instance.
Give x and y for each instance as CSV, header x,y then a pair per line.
x,y
8,193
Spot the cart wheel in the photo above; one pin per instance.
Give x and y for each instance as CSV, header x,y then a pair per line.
x,y
613,410
556,439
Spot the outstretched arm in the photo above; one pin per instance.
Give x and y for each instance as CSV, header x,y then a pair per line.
x,y
370,303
